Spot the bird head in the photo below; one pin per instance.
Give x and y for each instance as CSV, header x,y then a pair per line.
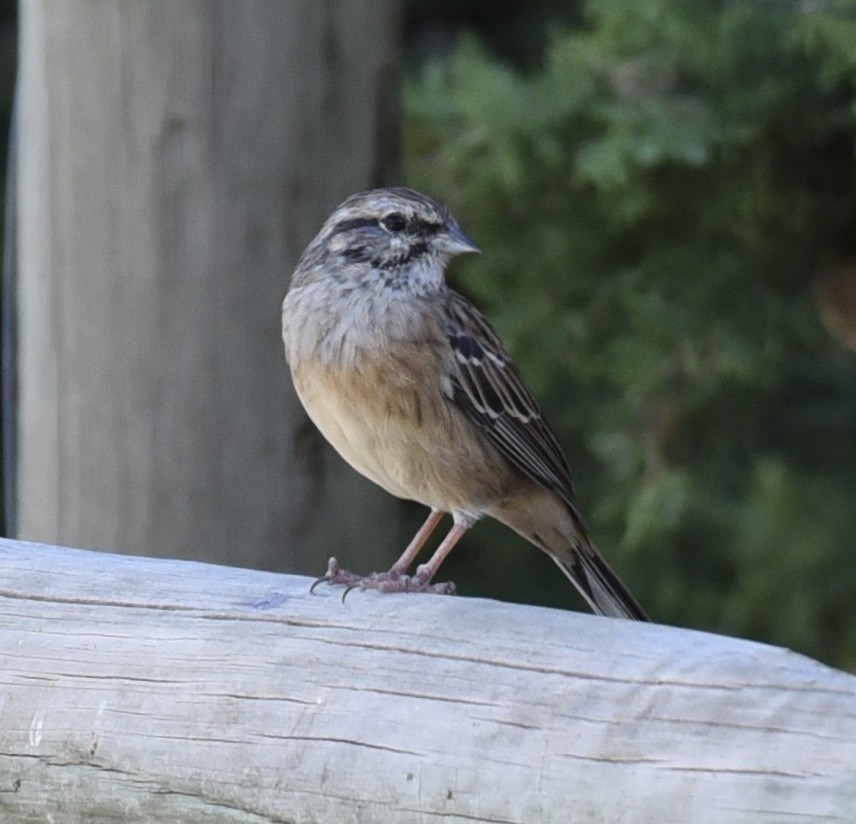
x,y
394,237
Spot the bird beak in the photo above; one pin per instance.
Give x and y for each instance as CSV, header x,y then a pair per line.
x,y
454,242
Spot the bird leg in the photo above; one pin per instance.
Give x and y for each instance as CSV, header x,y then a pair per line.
x,y
396,579
425,572
421,581
401,566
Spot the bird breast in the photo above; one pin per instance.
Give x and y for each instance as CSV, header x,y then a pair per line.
x,y
377,389
341,325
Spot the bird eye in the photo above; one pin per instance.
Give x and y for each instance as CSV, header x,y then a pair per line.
x,y
394,222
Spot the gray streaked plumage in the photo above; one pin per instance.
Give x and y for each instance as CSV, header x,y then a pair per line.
x,y
412,386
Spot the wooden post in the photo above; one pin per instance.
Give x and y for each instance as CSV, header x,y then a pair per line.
x,y
174,160
147,690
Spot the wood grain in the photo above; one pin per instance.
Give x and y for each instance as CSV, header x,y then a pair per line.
x,y
137,689
175,158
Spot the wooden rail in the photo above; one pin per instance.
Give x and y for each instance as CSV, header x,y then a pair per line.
x,y
134,689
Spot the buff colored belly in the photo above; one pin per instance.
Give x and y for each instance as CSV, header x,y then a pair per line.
x,y
409,443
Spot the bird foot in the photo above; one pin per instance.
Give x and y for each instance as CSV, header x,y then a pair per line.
x,y
391,581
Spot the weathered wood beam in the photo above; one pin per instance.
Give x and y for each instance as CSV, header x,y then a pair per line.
x,y
135,689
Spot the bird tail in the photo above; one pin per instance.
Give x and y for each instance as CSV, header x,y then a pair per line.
x,y
554,525
598,584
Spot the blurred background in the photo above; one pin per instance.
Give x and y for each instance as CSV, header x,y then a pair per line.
x,y
665,193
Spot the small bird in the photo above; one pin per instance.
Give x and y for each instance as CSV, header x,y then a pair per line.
x,y
414,389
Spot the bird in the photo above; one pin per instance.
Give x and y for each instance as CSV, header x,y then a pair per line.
x,y
411,385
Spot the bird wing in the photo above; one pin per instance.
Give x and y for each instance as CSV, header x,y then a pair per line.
x,y
487,387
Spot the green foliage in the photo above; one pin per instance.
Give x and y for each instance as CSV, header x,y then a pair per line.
x,y
653,204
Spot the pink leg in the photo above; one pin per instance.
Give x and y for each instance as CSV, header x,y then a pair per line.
x,y
401,566
425,572
396,579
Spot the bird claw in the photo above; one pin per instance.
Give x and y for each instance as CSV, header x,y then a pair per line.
x,y
335,575
391,581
